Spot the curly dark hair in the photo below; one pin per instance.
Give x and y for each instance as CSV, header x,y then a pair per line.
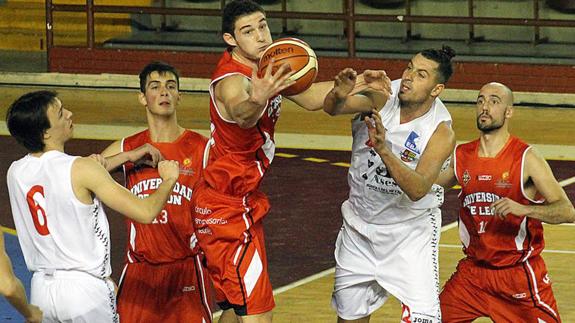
x,y
236,9
443,57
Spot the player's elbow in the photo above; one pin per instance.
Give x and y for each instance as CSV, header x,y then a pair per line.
x,y
416,195
9,287
570,215
330,110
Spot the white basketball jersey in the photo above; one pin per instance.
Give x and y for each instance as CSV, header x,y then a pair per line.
x,y
56,231
374,195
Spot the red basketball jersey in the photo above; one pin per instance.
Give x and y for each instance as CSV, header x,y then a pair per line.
x,y
171,235
239,157
488,239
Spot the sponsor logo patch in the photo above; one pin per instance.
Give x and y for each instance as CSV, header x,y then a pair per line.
x,y
503,182
412,141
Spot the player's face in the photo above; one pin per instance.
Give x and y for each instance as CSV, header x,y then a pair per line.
x,y
61,127
162,95
492,108
252,35
419,81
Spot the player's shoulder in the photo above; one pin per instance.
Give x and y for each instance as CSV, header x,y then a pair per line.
x,y
138,136
194,138
134,140
467,147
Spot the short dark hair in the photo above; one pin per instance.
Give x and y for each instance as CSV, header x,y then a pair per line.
x,y
27,119
442,57
236,9
161,68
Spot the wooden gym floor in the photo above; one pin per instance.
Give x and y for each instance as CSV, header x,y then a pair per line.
x,y
305,217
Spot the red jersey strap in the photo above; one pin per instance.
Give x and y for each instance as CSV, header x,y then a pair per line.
x,y
228,65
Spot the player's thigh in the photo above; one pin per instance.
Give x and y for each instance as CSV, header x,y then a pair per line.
x,y
75,298
359,300
356,292
461,301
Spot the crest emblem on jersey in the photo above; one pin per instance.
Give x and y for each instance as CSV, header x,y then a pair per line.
x,y
407,156
503,182
466,177
412,141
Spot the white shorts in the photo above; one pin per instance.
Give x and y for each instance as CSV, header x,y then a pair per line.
x,y
374,261
74,296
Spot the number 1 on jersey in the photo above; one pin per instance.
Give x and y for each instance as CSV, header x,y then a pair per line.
x,y
36,201
482,226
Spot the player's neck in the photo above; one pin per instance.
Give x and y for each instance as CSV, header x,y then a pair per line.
x,y
49,147
410,112
491,143
244,60
164,130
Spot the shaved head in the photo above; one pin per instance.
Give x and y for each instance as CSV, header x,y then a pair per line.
x,y
501,90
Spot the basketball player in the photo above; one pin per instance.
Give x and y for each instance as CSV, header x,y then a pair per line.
x,y
62,228
507,191
388,244
163,279
229,207
11,287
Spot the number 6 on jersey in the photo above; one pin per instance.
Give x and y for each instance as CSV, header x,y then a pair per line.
x,y
36,203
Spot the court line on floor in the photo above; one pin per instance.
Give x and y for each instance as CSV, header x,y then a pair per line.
x,y
283,140
332,270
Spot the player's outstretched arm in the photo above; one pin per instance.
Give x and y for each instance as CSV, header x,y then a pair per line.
x,y
113,156
245,100
352,93
446,177
11,287
556,209
415,183
88,176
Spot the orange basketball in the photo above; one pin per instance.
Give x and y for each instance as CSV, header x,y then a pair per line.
x,y
300,58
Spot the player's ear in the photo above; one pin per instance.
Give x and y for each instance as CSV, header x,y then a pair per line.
x,y
437,89
142,99
508,112
229,39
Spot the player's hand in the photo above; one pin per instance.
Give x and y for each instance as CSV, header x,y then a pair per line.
x,y
344,83
376,131
100,159
506,206
35,314
145,154
376,80
169,170
262,89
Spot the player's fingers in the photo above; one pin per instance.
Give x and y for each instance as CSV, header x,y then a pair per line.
x,y
269,68
282,71
377,120
285,85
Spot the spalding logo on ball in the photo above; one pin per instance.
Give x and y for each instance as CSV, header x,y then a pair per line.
x,y
298,55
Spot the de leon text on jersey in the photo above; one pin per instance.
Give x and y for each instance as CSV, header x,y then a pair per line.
x,y
146,187
484,199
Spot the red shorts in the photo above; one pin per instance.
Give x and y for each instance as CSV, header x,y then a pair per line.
x,y
231,235
521,293
172,292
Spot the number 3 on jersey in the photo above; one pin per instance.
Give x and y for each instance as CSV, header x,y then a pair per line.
x,y
36,204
